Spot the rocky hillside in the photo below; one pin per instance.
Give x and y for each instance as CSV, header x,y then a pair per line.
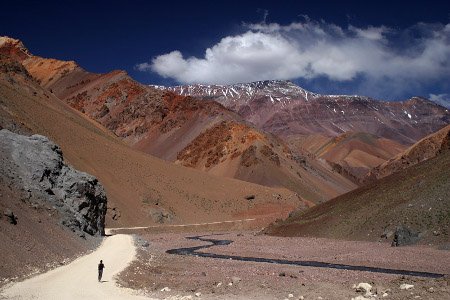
x,y
170,126
142,190
235,150
410,205
49,210
424,149
286,109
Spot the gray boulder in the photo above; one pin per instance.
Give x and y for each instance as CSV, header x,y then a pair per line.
x,y
37,164
404,236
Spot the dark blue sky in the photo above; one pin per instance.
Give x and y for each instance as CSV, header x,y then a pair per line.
x,y
106,35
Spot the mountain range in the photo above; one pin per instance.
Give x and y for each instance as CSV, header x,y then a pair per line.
x,y
285,109
254,132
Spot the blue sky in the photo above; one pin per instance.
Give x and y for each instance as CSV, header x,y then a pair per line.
x,y
382,49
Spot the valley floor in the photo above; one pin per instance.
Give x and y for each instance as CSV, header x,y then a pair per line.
x,y
185,276
143,265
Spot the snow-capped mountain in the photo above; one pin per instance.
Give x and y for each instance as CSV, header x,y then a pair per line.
x,y
283,108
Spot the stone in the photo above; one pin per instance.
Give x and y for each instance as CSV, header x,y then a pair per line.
x,y
364,287
145,244
165,289
38,163
290,296
404,236
405,286
387,234
361,298
161,215
250,197
282,274
12,219
198,294
235,279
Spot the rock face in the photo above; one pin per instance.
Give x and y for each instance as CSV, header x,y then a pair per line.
x,y
37,165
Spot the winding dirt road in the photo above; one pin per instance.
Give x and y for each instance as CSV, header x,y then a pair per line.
x,y
78,280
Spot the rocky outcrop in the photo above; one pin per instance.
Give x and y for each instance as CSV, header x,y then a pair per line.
x,y
36,165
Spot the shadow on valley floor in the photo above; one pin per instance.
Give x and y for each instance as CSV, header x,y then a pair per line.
x,y
194,251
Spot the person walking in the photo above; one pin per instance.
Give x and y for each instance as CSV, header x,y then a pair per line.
x,y
101,266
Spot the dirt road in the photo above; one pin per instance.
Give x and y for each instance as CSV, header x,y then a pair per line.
x,y
78,280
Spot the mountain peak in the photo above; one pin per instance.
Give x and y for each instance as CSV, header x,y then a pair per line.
x,y
273,90
13,48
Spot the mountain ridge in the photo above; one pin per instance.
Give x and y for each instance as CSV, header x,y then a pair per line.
x,y
283,108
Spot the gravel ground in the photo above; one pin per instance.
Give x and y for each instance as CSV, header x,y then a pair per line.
x,y
205,278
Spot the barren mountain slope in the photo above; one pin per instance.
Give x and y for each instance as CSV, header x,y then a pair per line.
x,y
169,126
426,148
235,150
353,153
417,197
284,108
141,189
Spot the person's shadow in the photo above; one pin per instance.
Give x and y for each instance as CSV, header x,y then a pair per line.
x,y
101,281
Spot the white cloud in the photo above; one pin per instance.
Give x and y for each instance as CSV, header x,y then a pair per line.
x,y
442,99
309,50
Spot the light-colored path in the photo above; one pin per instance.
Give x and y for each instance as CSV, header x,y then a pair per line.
x,y
181,225
78,280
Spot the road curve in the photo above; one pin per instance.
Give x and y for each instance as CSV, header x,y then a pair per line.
x,y
305,263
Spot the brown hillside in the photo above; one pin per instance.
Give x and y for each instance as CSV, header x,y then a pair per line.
x,y
353,154
417,197
426,148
